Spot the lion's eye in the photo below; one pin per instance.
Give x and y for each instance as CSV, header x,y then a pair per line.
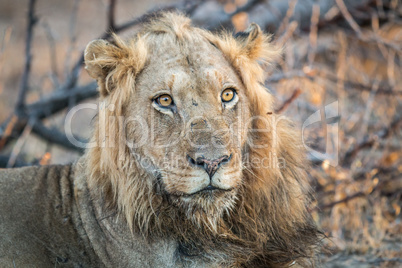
x,y
228,95
164,100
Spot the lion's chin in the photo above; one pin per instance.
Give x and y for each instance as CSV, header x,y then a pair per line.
x,y
206,205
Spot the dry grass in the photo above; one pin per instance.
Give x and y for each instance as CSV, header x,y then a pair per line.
x,y
359,200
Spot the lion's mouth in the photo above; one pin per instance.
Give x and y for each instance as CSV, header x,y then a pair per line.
x,y
210,189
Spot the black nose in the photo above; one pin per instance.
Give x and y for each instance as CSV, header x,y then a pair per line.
x,y
210,166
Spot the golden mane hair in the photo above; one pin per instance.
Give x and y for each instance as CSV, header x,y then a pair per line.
x,y
269,225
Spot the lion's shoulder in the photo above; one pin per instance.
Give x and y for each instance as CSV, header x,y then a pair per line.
x,y
38,218
31,186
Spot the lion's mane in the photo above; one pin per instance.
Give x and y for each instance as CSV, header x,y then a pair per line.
x,y
269,224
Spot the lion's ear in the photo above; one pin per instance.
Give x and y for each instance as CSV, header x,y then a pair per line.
x,y
250,39
101,57
115,64
256,45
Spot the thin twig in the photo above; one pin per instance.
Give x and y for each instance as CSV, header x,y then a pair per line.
x,y
353,24
369,141
18,163
51,135
315,16
287,75
53,54
247,7
73,37
6,38
369,106
111,15
289,14
344,200
20,142
28,57
291,99
4,43
8,130
346,14
43,108
282,39
382,90
353,196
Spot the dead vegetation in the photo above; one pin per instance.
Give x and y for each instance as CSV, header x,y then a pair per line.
x,y
341,73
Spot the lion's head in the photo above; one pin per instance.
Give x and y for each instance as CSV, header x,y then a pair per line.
x,y
187,144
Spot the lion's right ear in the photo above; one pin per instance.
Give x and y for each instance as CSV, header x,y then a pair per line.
x,y
101,57
115,64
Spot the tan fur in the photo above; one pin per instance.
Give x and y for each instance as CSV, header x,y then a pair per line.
x,y
266,219
259,216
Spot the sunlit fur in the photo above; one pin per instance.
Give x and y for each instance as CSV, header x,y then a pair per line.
x,y
265,221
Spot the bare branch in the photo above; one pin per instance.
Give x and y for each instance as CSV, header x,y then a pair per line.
x,y
4,42
274,78
353,196
20,142
28,57
43,108
111,15
52,51
346,14
315,16
53,135
289,13
73,37
291,99
344,200
282,39
353,24
369,141
60,100
18,163
7,129
382,90
247,7
186,6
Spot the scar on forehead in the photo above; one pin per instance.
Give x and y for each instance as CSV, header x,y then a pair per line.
x,y
219,76
171,81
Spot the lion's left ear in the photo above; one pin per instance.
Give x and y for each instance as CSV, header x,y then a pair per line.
x,y
247,51
251,41
247,47
256,45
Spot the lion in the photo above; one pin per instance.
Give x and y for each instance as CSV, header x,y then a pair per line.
x,y
189,166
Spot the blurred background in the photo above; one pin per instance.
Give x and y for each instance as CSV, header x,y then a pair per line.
x,y
340,80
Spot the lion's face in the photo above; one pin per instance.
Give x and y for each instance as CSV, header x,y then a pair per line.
x,y
194,126
184,98
188,112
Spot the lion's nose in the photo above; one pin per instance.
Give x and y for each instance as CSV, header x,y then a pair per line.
x,y
210,166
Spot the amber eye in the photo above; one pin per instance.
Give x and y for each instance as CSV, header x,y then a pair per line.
x,y
164,100
228,95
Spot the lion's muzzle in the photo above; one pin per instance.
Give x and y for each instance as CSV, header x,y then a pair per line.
x,y
210,166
